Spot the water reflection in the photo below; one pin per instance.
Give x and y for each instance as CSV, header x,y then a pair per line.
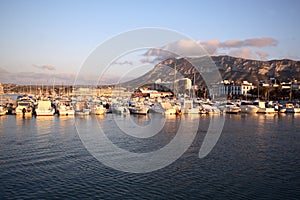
x,y
65,122
100,117
22,122
44,124
255,155
140,120
3,117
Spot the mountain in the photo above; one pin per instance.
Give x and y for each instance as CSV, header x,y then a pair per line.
x,y
230,68
239,69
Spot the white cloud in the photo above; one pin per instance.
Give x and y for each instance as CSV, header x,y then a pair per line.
x,y
252,42
239,48
262,55
125,62
243,53
36,78
45,67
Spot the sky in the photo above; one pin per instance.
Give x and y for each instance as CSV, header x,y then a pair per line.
x,y
50,40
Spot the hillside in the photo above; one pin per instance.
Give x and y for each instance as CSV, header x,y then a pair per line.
x,y
231,68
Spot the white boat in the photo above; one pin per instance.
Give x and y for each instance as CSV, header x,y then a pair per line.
x,y
138,109
163,108
296,110
98,109
210,109
263,109
44,108
189,108
248,107
3,111
24,107
65,110
229,107
82,108
119,109
83,112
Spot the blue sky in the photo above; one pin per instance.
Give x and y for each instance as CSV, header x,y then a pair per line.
x,y
55,37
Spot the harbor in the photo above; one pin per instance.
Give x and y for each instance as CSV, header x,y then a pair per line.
x,y
132,100
85,101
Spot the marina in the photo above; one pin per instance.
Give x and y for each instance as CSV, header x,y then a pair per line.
x,y
93,105
131,100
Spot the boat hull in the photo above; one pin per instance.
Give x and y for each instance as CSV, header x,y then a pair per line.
x,y
38,113
139,111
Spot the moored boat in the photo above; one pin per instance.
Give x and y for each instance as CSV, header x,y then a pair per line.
x,y
98,109
119,109
65,110
138,109
262,108
24,107
163,108
290,108
229,107
82,108
3,111
44,108
189,108
248,107
210,109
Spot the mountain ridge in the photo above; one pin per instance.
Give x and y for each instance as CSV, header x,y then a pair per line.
x,y
230,68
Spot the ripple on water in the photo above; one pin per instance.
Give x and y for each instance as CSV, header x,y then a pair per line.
x,y
256,157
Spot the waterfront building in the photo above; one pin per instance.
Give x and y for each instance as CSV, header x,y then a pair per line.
x,y
225,87
246,87
1,89
179,86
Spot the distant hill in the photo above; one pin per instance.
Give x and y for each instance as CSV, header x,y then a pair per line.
x,y
239,69
231,68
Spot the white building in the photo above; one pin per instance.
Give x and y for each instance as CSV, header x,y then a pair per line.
x,y
1,89
229,88
181,85
246,87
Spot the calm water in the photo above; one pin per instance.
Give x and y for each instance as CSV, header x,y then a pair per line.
x,y
256,157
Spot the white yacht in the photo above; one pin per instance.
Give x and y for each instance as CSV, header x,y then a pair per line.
x,y
210,109
189,108
98,109
263,109
82,108
24,107
138,108
229,107
119,109
65,109
3,111
44,108
163,108
248,107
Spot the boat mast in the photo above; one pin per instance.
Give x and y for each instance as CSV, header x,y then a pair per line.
x,y
30,88
174,84
258,91
53,86
194,85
